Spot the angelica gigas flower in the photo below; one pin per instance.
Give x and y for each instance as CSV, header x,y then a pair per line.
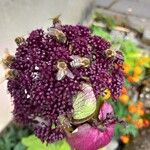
x,y
60,75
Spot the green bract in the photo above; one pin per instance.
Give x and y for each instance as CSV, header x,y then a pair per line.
x,y
84,103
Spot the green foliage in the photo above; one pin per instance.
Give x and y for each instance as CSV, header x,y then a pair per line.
x,y
10,139
101,32
120,109
108,20
33,143
130,129
130,50
146,116
132,55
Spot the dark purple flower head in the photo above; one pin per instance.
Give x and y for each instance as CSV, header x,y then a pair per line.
x,y
51,67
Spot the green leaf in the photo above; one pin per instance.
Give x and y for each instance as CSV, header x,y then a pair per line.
x,y
108,20
100,32
118,131
130,129
135,117
33,143
19,146
120,109
146,116
11,137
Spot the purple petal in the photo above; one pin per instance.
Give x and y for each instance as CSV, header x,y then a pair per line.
x,y
105,109
90,138
86,137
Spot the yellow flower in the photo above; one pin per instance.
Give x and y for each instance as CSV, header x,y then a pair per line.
x,y
126,68
106,94
144,60
140,112
137,70
124,98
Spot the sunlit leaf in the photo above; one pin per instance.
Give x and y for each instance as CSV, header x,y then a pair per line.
x,y
100,32
33,143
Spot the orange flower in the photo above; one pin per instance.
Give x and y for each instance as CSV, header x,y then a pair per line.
x,y
126,68
139,123
124,98
146,123
124,90
140,104
140,108
137,70
133,78
129,118
132,108
124,139
140,112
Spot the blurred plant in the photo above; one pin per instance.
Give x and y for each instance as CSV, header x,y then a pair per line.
x,y
108,20
11,137
101,32
129,106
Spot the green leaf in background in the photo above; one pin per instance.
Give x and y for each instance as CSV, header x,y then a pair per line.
x,y
130,129
100,32
10,138
146,116
34,143
19,146
118,131
135,117
120,109
107,20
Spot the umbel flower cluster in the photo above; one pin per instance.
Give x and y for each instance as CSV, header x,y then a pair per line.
x,y
56,79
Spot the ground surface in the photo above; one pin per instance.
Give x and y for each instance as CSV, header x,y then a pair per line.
x,y
141,142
